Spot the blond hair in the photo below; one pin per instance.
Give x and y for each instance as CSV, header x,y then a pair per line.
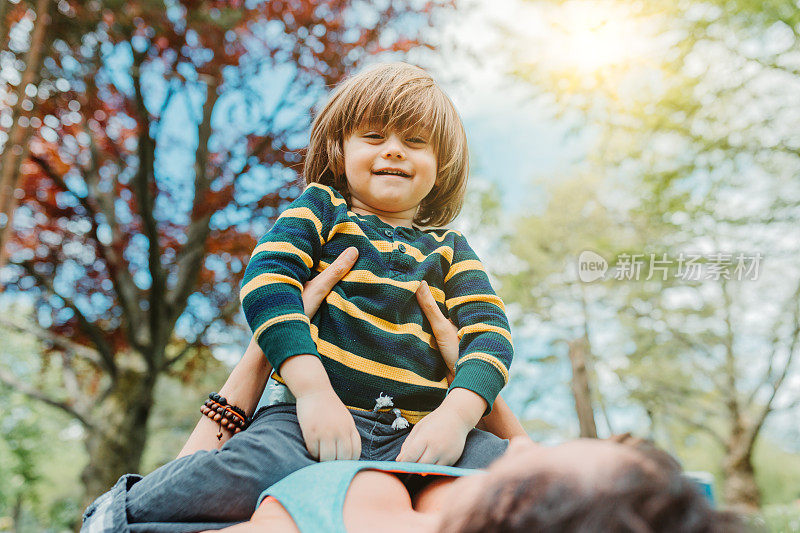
x,y
399,97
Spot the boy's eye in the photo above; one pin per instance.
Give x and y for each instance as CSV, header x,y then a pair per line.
x,y
373,135
416,140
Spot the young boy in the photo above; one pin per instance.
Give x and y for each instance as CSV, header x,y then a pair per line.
x,y
388,151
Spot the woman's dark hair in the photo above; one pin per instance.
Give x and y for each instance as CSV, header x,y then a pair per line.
x,y
639,499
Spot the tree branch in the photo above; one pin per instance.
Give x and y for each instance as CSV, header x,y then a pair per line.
x,y
48,336
12,382
95,333
755,427
190,256
231,308
700,426
730,394
143,182
117,267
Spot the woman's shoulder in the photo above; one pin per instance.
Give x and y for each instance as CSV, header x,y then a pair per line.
x,y
362,488
334,476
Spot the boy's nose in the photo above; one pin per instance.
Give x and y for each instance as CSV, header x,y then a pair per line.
x,y
393,148
393,153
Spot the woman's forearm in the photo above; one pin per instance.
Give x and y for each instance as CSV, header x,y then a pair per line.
x,y
243,388
502,421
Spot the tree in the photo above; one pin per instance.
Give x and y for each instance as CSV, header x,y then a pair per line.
x,y
167,136
18,132
700,125
568,311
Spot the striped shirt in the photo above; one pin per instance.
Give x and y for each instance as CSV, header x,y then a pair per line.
x,y
370,332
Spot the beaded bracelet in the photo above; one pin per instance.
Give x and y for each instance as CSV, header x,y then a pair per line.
x,y
230,416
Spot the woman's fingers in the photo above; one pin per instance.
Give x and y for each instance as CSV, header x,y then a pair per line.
x,y
428,304
444,330
315,291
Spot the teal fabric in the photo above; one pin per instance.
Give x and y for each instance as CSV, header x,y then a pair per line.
x,y
314,496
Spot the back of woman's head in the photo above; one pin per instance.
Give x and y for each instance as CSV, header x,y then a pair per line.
x,y
649,495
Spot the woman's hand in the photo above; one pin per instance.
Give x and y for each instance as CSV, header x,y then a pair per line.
x,y
247,380
316,290
501,421
444,330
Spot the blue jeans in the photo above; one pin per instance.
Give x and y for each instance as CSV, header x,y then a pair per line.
x,y
219,488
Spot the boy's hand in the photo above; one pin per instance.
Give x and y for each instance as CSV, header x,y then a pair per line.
x,y
327,426
436,439
439,437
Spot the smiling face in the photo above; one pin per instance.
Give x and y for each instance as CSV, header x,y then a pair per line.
x,y
389,173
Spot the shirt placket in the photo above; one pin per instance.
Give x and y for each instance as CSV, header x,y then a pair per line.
x,y
399,248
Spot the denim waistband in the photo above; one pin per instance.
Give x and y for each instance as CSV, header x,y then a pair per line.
x,y
279,393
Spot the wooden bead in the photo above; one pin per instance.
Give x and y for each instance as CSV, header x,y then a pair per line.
x,y
217,417
224,421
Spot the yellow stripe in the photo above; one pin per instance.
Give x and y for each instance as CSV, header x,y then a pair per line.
x,y
267,279
334,200
444,251
492,360
362,364
351,309
305,214
412,416
348,227
444,235
275,320
480,328
489,298
351,228
365,276
383,246
285,247
463,266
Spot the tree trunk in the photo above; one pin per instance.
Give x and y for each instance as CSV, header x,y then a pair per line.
x,y
581,390
740,489
115,447
16,144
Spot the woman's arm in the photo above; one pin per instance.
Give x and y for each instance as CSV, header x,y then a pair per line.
x,y
243,388
246,383
500,421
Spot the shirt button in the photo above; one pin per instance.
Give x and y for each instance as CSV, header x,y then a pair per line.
x,y
389,232
402,248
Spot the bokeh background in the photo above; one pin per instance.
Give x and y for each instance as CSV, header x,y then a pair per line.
x,y
147,144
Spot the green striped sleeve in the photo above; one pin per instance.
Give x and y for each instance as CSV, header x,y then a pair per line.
x,y
485,348
280,264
